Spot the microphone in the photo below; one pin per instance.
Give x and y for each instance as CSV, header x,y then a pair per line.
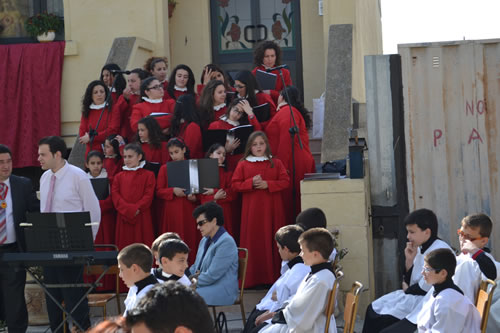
x,y
277,67
116,71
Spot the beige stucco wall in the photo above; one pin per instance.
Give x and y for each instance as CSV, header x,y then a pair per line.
x,y
90,28
190,41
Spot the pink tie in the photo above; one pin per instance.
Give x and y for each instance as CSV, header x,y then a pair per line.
x,y
50,195
3,212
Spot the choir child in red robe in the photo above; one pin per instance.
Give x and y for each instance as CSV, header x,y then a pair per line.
x,y
279,138
261,179
186,125
238,113
109,75
106,232
213,72
268,55
153,104
247,87
224,196
212,103
150,138
131,96
157,66
132,193
180,82
93,103
113,161
177,206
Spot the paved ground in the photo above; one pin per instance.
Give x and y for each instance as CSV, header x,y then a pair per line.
x,y
233,314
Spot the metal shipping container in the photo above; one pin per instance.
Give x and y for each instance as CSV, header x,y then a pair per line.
x,y
452,115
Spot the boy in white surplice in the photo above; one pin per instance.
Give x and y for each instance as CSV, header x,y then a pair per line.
x,y
422,227
447,310
305,311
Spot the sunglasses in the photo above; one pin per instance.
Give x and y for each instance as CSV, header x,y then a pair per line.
x,y
202,222
460,233
239,86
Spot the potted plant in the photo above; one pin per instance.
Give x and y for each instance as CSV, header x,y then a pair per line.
x,y
171,7
43,26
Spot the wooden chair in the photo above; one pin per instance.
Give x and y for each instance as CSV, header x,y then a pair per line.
x,y
242,272
351,307
101,300
483,301
331,298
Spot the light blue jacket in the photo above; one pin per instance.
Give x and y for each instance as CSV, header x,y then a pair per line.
x,y
218,280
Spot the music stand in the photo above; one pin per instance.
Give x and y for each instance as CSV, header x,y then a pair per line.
x,y
61,232
58,232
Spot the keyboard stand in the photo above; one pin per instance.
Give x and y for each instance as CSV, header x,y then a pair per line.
x,y
90,286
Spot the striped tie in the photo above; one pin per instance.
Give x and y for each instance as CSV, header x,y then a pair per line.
x,y
3,213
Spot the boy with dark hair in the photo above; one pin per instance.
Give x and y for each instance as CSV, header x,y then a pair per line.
x,y
311,218
293,272
422,227
314,218
135,262
170,308
305,310
156,245
447,309
173,256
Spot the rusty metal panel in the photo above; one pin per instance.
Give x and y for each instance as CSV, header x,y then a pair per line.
x,y
452,115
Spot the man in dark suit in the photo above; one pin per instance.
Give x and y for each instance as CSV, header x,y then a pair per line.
x,y
16,198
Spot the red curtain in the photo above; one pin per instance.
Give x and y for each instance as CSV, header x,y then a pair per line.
x,y
30,97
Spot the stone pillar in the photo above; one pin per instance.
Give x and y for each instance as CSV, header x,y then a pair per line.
x,y
337,119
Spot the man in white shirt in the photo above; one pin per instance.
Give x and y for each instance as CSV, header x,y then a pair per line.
x,y
65,188
16,198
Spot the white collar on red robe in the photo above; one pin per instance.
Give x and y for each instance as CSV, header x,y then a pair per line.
x,y
153,101
280,105
252,158
97,107
220,106
229,121
180,89
140,166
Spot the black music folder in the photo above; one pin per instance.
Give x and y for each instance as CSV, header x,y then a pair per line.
x,y
194,175
221,136
230,95
262,112
266,81
153,166
58,232
101,187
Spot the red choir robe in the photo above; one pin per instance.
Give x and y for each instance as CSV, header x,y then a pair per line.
x,y
279,139
165,86
263,98
279,84
177,212
262,214
123,108
219,113
132,191
112,166
227,204
114,96
155,155
144,109
191,134
232,160
106,127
